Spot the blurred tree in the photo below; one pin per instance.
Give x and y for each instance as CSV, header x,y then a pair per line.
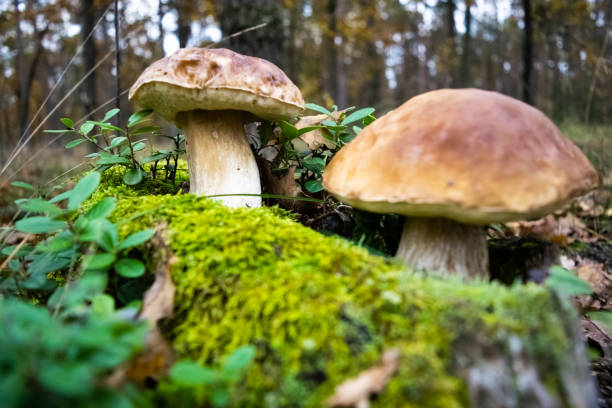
x,y
267,42
527,52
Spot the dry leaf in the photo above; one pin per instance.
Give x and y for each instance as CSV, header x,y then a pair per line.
x,y
562,230
157,356
356,391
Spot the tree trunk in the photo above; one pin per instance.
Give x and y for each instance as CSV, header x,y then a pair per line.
x,y
24,94
266,42
331,55
467,46
527,53
183,30
340,89
88,17
161,12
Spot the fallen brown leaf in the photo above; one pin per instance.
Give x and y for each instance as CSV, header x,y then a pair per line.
x,y
157,356
356,392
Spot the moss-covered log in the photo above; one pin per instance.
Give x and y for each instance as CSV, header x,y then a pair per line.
x,y
321,310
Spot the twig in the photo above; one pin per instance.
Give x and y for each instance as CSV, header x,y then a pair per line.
x,y
246,30
14,252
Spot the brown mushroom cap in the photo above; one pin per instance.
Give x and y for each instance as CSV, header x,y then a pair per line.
x,y
466,154
216,79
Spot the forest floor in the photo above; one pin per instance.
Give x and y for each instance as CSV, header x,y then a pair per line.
x,y
580,236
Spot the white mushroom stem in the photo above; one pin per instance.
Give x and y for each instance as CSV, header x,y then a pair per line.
x,y
444,246
219,156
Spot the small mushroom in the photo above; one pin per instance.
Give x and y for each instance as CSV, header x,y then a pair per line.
x,y
207,93
453,160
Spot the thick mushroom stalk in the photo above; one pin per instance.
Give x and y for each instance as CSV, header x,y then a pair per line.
x,y
444,246
219,156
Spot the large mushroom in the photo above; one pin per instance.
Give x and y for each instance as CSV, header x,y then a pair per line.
x,y
207,93
451,161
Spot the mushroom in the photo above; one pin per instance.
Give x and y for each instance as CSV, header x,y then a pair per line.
x,y
451,161
207,93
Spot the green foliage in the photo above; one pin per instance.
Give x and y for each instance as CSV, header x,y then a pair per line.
x,y
69,241
121,149
62,361
192,384
566,282
311,163
320,310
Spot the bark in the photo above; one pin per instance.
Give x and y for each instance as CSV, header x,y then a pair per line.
x,y
266,42
340,90
88,20
292,63
527,53
183,30
19,70
161,12
467,46
331,55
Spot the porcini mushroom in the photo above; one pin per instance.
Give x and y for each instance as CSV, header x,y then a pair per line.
x,y
451,161
207,93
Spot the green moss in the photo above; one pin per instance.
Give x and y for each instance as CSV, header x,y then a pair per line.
x,y
321,310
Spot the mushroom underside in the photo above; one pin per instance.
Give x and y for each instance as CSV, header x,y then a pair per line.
x,y
444,246
219,157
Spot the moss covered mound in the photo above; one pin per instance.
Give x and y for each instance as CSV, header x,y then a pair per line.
x,y
320,310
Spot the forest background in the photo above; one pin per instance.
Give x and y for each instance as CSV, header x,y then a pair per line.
x,y
554,54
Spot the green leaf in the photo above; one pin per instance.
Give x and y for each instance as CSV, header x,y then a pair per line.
x,y
315,164
313,186
138,117
317,108
39,225
145,129
357,115
136,239
45,263
331,125
86,127
22,184
132,177
289,131
110,114
61,197
106,158
220,397
603,317
56,244
106,126
137,146
356,129
98,261
102,208
368,119
117,141
38,205
69,378
565,282
154,157
74,143
103,305
68,122
84,188
98,230
236,364
307,129
129,268
90,155
190,373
